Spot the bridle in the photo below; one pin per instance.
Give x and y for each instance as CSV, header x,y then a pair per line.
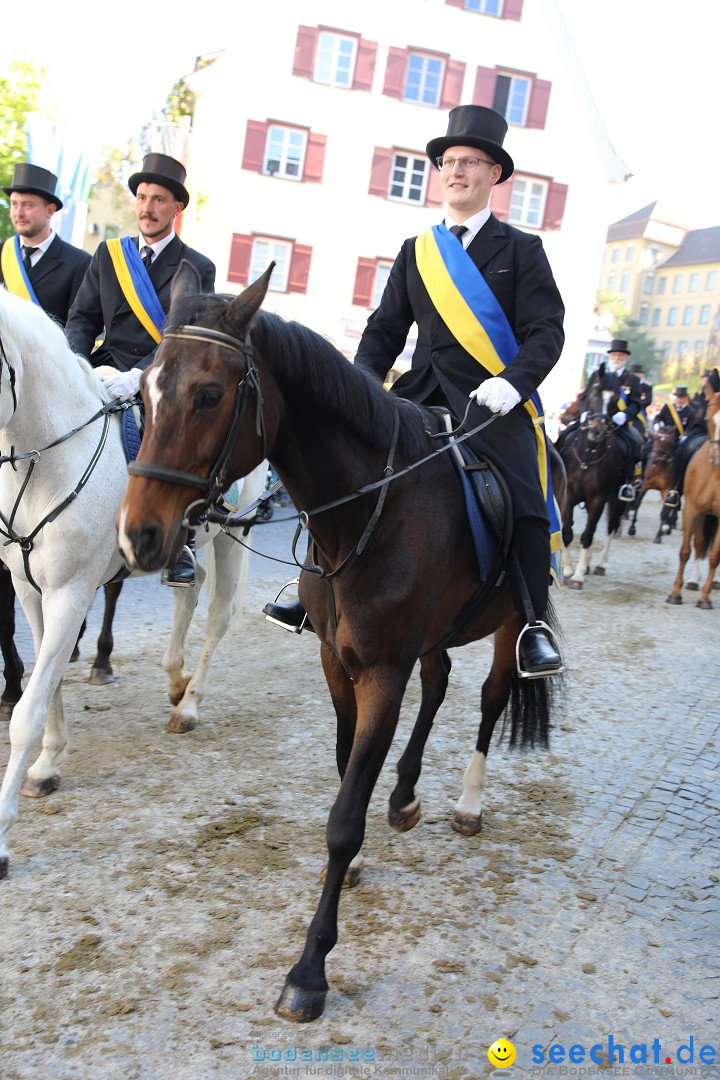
x,y
217,480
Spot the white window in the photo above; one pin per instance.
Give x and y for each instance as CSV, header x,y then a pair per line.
x,y
666,350
408,178
486,7
710,279
335,60
672,316
688,316
656,316
527,203
682,349
382,273
677,283
644,312
630,254
611,282
263,253
423,79
694,282
699,348
512,94
285,153
704,314
616,255
625,282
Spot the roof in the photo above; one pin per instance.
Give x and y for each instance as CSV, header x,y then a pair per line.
x,y
699,246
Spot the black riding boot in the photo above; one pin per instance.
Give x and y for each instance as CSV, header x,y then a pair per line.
x,y
182,574
537,654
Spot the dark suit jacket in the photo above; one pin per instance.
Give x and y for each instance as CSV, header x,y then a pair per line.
x,y
100,305
685,416
616,381
515,267
57,276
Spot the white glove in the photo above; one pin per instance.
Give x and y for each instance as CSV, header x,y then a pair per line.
x,y
619,418
583,417
123,384
499,396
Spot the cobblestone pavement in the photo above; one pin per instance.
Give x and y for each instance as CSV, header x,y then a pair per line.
x,y
586,913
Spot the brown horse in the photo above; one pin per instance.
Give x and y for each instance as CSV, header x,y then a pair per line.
x,y
658,476
392,574
701,509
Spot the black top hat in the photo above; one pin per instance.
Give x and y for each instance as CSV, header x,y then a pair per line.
x,y
637,369
474,125
707,372
163,170
35,181
618,345
680,391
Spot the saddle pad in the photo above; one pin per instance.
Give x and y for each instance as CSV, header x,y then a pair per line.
x,y
132,425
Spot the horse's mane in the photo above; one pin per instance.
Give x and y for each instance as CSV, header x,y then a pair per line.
x,y
37,334
315,371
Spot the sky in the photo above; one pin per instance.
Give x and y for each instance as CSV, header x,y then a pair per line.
x,y
651,66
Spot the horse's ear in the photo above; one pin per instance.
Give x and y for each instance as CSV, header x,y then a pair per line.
x,y
245,307
187,282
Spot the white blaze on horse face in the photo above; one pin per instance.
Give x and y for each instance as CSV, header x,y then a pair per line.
x,y
716,423
606,395
153,393
123,543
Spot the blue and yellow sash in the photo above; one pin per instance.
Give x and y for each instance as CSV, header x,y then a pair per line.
x,y
136,285
14,273
472,313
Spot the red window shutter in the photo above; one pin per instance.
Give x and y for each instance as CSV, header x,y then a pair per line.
x,y
365,65
453,84
299,268
305,45
240,252
314,157
500,200
456,3
255,140
395,72
512,9
538,105
485,87
380,172
555,206
434,195
364,281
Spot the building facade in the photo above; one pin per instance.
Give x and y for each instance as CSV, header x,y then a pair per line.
x,y
308,149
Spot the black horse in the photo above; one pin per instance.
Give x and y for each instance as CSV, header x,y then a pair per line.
x,y
393,574
595,455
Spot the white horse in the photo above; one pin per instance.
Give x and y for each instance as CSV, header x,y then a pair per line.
x,y
59,560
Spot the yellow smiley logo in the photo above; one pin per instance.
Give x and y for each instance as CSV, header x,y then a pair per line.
x,y
501,1053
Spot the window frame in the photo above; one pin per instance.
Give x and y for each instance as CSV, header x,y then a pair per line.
x,y
515,81
481,8
427,59
333,79
407,186
282,267
523,219
282,173
382,273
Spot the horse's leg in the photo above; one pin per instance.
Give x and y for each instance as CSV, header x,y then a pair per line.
x,y
101,672
594,512
615,512
675,595
342,693
230,575
494,698
704,600
404,811
13,666
75,654
567,537
641,495
173,661
379,690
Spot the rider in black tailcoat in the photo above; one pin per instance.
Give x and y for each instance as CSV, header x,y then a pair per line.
x,y
695,432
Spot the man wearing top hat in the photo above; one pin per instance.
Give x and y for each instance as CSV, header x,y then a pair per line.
x,y
688,418
36,263
509,268
126,291
646,390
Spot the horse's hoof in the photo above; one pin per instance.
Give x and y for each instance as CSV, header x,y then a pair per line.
x,y
179,723
575,583
300,1005
657,540
101,676
715,585
599,571
38,789
467,824
4,866
406,818
706,605
674,599
75,655
631,530
692,586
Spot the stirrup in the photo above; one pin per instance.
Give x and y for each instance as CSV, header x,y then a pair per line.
x,y
165,576
522,673
627,493
672,500
276,622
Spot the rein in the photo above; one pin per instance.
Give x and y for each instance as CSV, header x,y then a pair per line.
x,y
26,543
11,372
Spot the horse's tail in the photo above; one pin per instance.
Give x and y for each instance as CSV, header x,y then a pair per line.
x,y
709,529
531,700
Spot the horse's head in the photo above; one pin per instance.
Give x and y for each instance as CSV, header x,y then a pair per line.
x,y
664,440
712,416
599,406
205,424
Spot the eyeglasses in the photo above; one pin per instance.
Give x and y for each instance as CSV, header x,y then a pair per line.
x,y
467,164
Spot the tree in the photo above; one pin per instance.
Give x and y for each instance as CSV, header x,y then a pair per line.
x,y
643,348
21,86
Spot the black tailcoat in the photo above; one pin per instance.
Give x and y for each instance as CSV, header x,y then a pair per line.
x,y
101,305
516,269
57,276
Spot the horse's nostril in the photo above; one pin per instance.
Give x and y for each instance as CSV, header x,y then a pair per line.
x,y
147,544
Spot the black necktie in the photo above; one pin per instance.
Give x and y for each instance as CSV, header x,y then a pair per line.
x,y
27,252
459,231
147,257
